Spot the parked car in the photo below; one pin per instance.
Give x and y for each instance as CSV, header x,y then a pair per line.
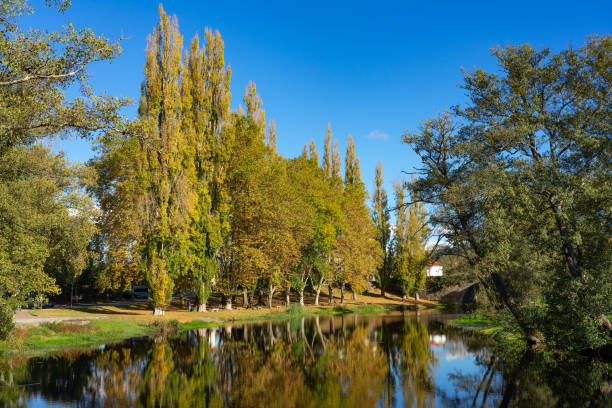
x,y
32,303
140,292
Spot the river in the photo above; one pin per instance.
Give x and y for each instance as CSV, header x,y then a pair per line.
x,y
392,360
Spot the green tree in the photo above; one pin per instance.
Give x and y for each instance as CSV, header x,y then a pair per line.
x,y
37,67
205,103
45,223
521,180
165,200
409,243
381,218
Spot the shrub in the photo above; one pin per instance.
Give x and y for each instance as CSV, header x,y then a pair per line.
x,y
67,328
6,319
164,328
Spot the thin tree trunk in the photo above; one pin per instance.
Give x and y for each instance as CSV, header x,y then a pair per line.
x,y
228,305
382,291
342,293
245,298
158,311
331,294
288,296
354,296
270,295
317,293
302,297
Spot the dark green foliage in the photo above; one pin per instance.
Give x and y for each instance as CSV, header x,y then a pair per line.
x,y
6,319
521,182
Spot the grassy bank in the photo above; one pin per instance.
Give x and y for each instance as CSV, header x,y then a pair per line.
x,y
93,326
478,322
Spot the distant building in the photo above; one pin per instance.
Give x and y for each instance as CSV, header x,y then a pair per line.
x,y
434,269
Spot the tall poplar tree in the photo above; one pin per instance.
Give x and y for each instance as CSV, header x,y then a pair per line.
x,y
351,163
380,216
272,136
357,250
327,159
336,162
409,241
314,157
206,113
254,106
164,201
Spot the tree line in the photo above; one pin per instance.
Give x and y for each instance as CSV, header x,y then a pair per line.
x,y
187,196
191,195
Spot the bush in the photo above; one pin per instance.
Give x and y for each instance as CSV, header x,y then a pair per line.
x,y
6,319
67,328
164,328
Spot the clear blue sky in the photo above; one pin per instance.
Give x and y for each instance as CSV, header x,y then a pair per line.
x,y
371,69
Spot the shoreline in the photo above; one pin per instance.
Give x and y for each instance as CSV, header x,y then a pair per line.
x,y
52,330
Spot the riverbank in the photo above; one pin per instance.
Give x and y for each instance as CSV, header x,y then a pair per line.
x,y
80,328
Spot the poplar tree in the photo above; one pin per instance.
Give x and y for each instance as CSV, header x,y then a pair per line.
x,y
336,162
409,240
357,250
327,159
164,201
272,136
206,112
380,216
314,157
254,106
350,163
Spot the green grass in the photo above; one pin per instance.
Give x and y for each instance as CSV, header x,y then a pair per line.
x,y
58,335
48,337
476,319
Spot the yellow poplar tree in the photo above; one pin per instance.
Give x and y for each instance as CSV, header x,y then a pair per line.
x,y
327,160
314,157
165,199
206,111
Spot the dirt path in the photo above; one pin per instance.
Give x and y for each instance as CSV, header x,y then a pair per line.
x,y
25,318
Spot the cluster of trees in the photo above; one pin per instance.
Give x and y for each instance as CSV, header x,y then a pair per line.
x,y
194,195
519,182
405,244
186,197
46,219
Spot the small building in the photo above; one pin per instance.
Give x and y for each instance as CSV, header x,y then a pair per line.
x,y
434,269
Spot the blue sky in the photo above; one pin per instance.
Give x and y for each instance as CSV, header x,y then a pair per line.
x,y
371,69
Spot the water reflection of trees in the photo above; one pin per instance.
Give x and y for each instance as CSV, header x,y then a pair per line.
x,y
336,361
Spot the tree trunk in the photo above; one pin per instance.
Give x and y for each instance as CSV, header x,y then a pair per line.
x,y
270,295
416,296
245,298
158,311
331,294
302,297
354,296
201,307
288,297
342,293
404,298
382,291
228,305
317,293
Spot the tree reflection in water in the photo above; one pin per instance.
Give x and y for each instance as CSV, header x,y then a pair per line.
x,y
339,361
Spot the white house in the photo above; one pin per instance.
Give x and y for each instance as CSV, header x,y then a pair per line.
x,y
434,269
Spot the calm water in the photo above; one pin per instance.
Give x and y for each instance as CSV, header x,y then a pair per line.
x,y
348,361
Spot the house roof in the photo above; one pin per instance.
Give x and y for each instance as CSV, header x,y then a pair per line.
x,y
433,264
